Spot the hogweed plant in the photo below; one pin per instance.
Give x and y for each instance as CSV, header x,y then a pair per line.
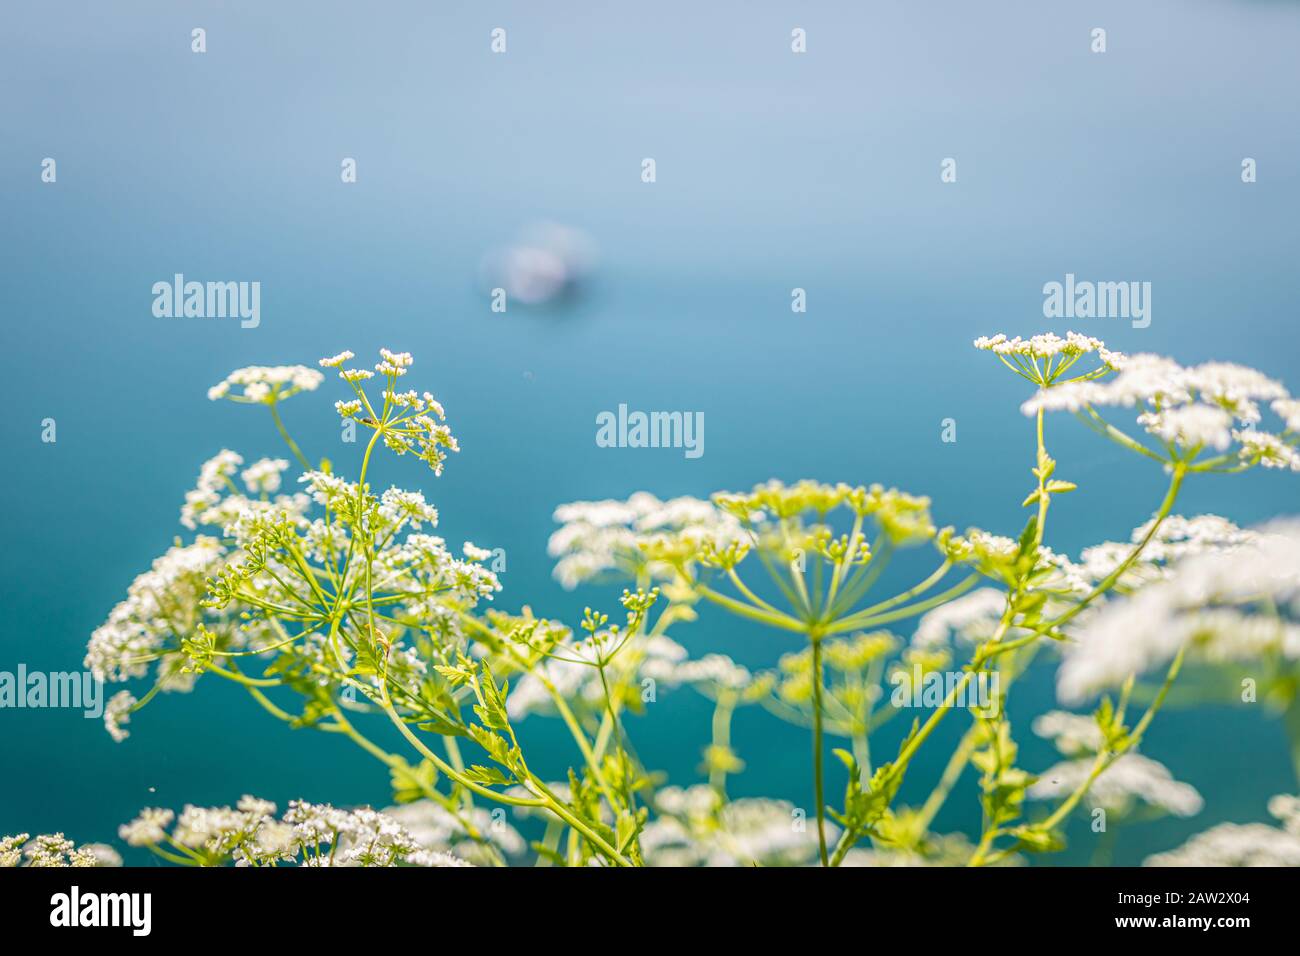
x,y
821,572
341,596
336,608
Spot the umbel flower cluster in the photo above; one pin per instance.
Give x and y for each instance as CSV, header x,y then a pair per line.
x,y
250,834
336,607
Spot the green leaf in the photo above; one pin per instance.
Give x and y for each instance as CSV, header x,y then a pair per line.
x,y
456,676
627,827
1046,465
438,724
1113,731
491,708
872,804
312,713
1026,546
487,776
412,783
494,744
1037,840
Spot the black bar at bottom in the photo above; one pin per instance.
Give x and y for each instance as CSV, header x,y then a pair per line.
x,y
344,905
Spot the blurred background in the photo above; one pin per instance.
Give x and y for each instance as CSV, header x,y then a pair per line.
x,y
774,171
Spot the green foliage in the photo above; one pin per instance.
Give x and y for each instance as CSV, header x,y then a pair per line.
x,y
337,611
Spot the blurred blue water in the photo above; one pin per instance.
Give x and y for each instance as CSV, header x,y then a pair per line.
x,y
774,171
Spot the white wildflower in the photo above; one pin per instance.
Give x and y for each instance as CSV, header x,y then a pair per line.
x,y
210,827
1073,734
1267,449
1144,378
118,712
11,849
397,507
695,829
329,490
159,602
1288,409
1130,779
55,850
148,828
262,383
1046,345
1191,408
1236,844
435,829
596,537
1176,538
716,670
1191,426
973,617
655,656
394,363
1204,603
334,361
263,476
474,553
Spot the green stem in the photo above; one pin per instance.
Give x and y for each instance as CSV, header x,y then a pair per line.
x,y
544,796
628,800
907,595
242,679
722,711
293,446
1105,758
862,620
783,621
1166,506
951,774
862,580
818,776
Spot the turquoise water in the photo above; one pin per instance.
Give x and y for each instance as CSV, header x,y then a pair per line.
x,y
775,171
